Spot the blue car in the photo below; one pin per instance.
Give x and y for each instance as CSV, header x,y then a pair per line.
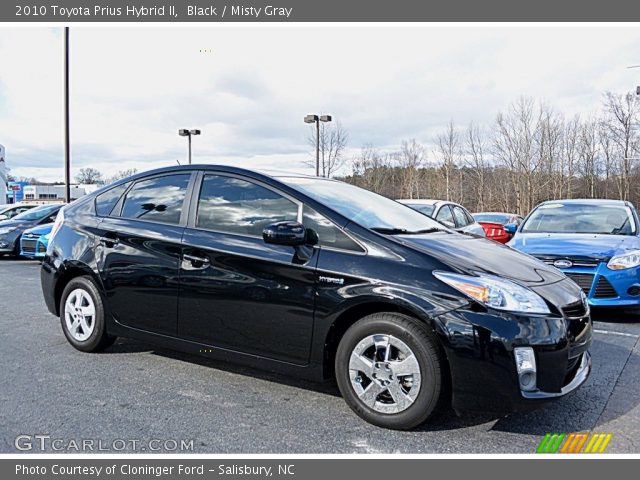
x,y
34,242
596,243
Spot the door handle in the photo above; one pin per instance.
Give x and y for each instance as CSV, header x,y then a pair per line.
x,y
193,262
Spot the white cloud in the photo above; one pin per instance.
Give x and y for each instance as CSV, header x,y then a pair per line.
x,y
248,88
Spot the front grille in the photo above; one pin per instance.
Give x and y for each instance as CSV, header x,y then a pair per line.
x,y
604,289
29,246
575,310
576,261
584,280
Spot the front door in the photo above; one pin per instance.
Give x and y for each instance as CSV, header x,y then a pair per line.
x,y
237,292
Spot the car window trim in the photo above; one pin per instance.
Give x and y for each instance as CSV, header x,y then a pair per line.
x,y
185,201
363,249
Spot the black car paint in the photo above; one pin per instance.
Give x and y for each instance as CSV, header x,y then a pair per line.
x,y
274,308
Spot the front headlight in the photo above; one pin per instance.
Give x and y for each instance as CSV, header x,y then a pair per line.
x,y
496,292
624,261
5,230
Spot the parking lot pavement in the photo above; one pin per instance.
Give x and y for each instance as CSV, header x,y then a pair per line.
x,y
136,392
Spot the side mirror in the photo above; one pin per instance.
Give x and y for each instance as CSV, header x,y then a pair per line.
x,y
289,233
511,228
449,224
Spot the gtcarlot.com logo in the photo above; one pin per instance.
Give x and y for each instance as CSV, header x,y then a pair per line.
x,y
580,442
29,443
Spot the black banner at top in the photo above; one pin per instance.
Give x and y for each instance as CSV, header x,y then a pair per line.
x,y
319,11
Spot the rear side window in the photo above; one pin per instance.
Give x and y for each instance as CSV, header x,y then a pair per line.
x,y
157,199
233,205
444,216
105,202
461,218
329,234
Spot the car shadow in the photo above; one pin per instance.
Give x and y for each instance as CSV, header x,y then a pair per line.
x,y
577,411
125,345
614,315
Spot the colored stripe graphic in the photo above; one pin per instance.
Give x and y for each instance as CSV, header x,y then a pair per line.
x,y
550,443
598,443
574,442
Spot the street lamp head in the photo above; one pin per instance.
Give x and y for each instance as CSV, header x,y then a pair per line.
x,y
325,118
194,132
310,118
183,132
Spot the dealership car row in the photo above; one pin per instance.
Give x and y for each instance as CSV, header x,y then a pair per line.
x,y
407,312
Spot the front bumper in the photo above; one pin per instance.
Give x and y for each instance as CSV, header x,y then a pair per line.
x,y
605,287
33,246
481,347
579,377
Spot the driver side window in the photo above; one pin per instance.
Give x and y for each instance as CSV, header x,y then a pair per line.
x,y
234,205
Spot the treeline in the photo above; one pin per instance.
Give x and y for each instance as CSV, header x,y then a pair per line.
x,y
529,154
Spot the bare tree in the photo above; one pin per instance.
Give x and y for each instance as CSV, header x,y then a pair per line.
x,y
410,158
89,176
120,174
449,152
333,141
621,116
475,146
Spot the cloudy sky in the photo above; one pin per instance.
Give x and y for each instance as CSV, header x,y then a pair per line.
x,y
248,88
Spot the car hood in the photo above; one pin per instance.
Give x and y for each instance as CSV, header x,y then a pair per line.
x,y
602,247
16,223
40,229
471,254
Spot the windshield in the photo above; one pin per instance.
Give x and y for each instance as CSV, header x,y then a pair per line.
x,y
581,218
491,217
37,213
364,207
422,208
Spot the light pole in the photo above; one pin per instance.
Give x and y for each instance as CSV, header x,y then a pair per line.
x,y
183,132
67,142
317,119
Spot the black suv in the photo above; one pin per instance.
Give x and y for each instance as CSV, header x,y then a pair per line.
x,y
317,278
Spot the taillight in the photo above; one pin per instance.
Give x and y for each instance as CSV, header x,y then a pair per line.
x,y
57,224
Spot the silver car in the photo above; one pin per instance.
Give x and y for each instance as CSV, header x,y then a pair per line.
x,y
451,214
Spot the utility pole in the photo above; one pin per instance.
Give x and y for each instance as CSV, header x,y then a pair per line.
x,y
67,143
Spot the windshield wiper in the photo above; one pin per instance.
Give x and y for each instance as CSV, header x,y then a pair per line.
x,y
404,231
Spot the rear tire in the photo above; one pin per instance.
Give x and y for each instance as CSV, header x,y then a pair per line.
x,y
82,316
389,369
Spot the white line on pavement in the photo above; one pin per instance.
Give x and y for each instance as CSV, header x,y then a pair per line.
x,y
609,332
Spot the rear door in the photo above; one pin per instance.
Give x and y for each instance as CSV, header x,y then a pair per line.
x,y
237,292
140,249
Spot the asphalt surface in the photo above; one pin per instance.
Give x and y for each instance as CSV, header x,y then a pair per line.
x,y
136,397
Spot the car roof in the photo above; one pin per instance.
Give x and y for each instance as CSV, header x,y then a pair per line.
x,y
418,201
595,201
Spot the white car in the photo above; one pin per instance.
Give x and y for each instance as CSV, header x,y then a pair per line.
x,y
10,211
451,214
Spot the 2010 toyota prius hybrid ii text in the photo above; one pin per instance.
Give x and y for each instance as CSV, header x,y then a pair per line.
x,y
316,278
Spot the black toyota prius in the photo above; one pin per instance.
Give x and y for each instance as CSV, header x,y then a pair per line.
x,y
317,278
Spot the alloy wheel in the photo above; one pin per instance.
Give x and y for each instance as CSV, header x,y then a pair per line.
x,y
384,373
80,314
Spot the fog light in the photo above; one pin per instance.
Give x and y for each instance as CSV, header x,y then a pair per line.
x,y
634,290
526,367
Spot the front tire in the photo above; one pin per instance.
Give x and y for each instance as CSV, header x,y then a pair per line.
x,y
82,316
389,370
